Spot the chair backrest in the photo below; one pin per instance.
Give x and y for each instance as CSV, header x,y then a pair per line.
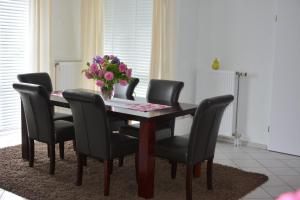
x,y
126,92
164,91
92,131
37,111
40,78
205,128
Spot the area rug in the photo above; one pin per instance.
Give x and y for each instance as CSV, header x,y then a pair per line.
x,y
35,183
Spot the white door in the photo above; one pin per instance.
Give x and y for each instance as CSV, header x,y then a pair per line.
x,y
285,111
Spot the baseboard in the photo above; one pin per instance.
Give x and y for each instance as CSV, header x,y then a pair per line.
x,y
244,143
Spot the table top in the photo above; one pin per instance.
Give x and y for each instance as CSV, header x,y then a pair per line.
x,y
126,113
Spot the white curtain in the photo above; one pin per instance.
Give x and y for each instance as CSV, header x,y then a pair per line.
x,y
40,59
91,33
163,39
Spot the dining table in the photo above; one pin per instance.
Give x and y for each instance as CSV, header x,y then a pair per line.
x,y
148,121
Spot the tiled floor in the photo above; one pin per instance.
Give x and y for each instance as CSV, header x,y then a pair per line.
x,y
283,170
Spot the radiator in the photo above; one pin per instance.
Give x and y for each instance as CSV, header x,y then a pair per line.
x,y
218,82
67,74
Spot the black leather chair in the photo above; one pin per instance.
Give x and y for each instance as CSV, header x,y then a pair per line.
x,y
160,92
44,80
122,92
201,143
93,134
40,123
126,92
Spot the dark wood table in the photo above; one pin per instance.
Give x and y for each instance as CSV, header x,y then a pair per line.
x,y
147,121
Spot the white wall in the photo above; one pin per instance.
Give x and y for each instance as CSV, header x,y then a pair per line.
x,y
65,30
186,53
65,36
241,34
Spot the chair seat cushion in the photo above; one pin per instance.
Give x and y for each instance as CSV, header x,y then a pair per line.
x,y
162,131
173,148
64,130
122,145
62,116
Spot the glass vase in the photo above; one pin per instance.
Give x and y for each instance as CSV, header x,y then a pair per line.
x,y
107,94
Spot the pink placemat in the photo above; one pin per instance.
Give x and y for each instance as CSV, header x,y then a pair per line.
x,y
146,107
57,93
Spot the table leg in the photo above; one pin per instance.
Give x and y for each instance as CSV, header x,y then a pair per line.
x,y
197,170
24,135
146,161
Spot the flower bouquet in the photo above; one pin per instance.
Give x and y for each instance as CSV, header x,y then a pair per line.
x,y
107,71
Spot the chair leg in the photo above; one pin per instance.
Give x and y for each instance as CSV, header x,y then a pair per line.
x,y
79,169
121,161
48,149
197,170
74,145
107,167
172,125
189,181
52,159
62,150
31,152
84,160
173,169
209,173
111,166
137,167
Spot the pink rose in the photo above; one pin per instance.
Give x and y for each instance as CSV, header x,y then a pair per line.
x,y
100,83
122,67
123,82
109,76
129,72
88,75
100,73
94,68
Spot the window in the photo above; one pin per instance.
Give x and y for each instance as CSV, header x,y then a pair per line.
x,y
128,35
13,30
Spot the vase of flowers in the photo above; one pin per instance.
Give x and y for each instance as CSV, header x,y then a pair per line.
x,y
107,71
